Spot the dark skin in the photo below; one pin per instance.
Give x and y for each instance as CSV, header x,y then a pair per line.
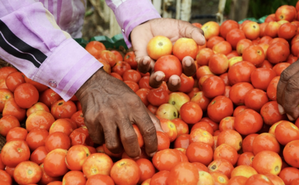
x,y
288,91
110,107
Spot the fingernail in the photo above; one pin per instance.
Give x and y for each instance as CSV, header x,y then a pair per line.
x,y
138,155
175,82
280,109
144,62
188,63
159,77
290,117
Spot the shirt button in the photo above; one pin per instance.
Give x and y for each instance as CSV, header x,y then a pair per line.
x,y
52,83
123,30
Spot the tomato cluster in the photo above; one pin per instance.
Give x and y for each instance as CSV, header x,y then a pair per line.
x,y
222,126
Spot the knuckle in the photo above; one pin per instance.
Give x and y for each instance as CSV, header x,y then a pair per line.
x,y
285,76
129,138
293,85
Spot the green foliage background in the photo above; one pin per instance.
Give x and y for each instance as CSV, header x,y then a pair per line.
x,y
260,8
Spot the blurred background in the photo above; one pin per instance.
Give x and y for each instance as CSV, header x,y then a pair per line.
x,y
100,20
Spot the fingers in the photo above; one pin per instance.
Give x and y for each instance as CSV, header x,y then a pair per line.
x,y
174,83
111,134
148,130
190,31
290,97
155,121
129,138
95,131
285,76
189,67
156,79
145,64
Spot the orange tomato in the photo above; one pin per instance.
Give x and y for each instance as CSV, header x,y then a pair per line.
x,y
27,172
184,47
125,171
266,162
200,152
230,137
74,177
265,141
63,109
290,153
183,173
95,48
99,179
15,152
190,112
219,108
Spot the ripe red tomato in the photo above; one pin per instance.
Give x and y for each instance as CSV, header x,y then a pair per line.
x,y
38,155
147,169
49,97
213,86
270,113
125,171
183,173
226,26
27,172
187,83
248,122
238,92
14,79
157,96
261,77
8,122
240,72
169,65
36,138
200,152
255,99
191,112
163,140
184,47
120,67
203,56
74,177
16,133
290,153
95,48
230,137
265,142
223,47
277,52
234,36
166,159
218,63
130,58
63,109
254,54
219,108
54,163
15,152
57,140
26,95
131,75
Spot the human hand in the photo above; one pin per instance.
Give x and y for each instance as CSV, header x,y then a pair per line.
x,y
173,29
110,108
288,91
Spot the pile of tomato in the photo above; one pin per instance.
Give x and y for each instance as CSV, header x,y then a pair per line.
x,y
222,126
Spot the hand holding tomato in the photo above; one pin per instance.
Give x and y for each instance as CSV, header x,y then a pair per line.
x,y
110,108
288,91
172,29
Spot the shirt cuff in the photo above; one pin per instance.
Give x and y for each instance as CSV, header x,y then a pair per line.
x,y
132,13
67,69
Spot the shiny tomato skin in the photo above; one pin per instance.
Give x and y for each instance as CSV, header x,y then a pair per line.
x,y
219,108
169,65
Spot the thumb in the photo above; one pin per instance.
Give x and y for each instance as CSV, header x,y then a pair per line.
x,y
190,31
